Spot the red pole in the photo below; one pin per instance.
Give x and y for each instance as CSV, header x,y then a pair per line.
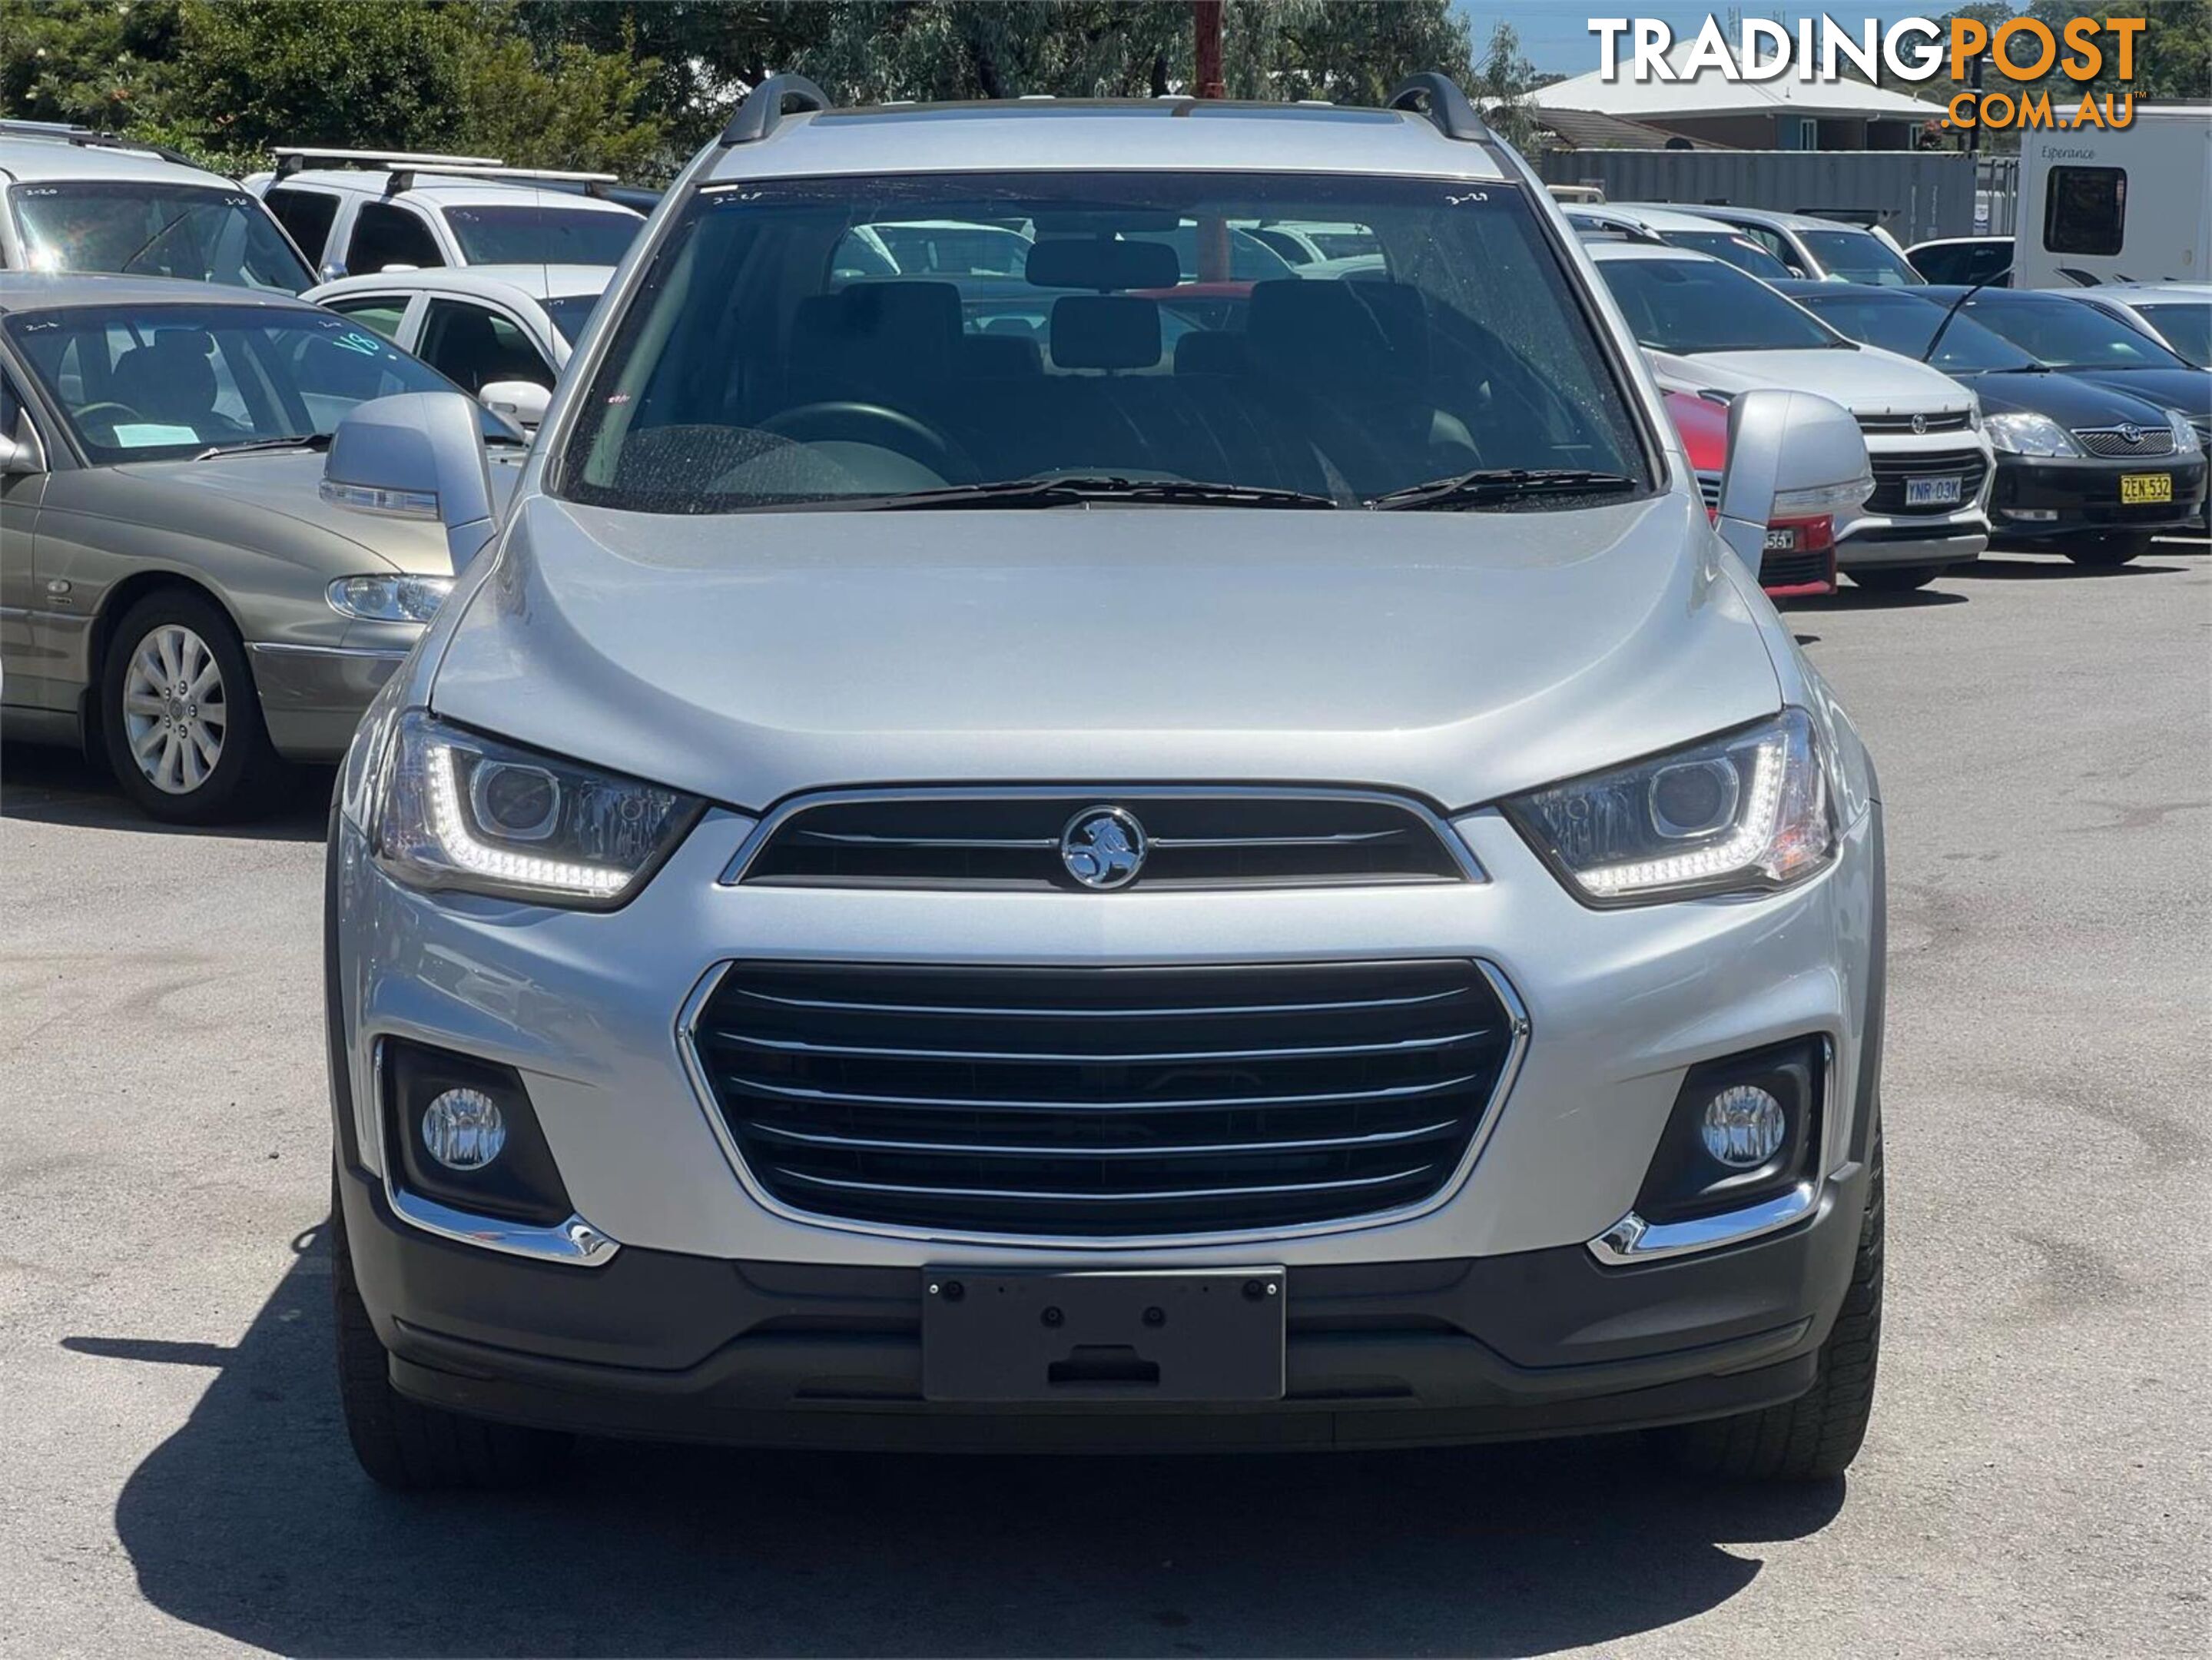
x,y
1213,230
1206,15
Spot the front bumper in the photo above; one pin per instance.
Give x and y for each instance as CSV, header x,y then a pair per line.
x,y
667,1346
1490,1314
2039,496
1875,541
312,696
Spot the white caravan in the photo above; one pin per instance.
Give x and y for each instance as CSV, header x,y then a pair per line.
x,y
2117,204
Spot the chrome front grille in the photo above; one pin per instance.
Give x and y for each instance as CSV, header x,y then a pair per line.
x,y
1958,421
987,839
1104,1103
2113,444
1970,467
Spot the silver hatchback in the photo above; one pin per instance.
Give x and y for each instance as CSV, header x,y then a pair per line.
x,y
1120,855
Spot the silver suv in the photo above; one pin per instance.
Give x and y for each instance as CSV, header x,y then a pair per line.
x,y
1099,858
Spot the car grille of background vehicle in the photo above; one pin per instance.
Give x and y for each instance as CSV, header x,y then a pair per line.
x,y
2111,443
1109,1101
1891,471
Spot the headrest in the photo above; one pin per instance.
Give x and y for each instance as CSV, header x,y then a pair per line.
x,y
1343,327
1105,331
895,329
195,343
1095,262
1001,357
1209,351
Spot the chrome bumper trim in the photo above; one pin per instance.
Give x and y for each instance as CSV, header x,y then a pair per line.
x,y
280,648
575,1241
1632,1239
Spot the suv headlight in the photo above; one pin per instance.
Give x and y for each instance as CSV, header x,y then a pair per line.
x,y
2020,433
2185,441
389,599
460,811
1749,811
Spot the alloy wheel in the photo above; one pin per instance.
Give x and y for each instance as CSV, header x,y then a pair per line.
x,y
174,712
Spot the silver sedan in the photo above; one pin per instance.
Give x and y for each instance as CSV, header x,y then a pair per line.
x,y
177,589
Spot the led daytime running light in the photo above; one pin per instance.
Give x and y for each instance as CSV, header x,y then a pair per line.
x,y
460,844
1755,834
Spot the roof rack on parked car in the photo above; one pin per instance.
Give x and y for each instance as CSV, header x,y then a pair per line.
x,y
1439,97
66,132
405,168
294,158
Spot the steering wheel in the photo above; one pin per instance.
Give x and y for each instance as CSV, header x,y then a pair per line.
x,y
891,429
111,412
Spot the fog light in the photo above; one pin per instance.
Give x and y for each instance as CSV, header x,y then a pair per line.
x,y
463,1131
1744,1127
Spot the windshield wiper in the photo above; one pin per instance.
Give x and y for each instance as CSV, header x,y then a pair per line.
x,y
1485,484
1078,490
308,440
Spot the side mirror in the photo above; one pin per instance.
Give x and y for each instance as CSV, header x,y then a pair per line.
x,y
20,455
522,402
418,455
1791,455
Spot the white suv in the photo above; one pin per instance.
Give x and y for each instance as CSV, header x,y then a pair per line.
x,y
1715,333
356,212
75,200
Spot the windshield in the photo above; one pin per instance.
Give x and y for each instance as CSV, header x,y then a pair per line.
x,y
762,364
543,235
1693,306
1740,251
2186,325
2070,334
570,312
1897,323
1857,256
202,233
159,382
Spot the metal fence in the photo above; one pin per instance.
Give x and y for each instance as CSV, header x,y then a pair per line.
x,y
1912,194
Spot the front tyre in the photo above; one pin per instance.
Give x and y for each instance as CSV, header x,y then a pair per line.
x,y
1816,1437
403,1444
1895,579
2108,552
178,715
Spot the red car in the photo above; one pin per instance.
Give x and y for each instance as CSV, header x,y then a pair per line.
x,y
1801,553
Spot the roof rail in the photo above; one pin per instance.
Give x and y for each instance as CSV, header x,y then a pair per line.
x,y
67,132
404,178
763,108
1439,97
294,158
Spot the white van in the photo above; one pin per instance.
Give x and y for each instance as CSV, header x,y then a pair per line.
x,y
2118,205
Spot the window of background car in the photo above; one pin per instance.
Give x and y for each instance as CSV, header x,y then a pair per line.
x,y
382,312
2068,334
1737,249
386,237
2185,324
2085,211
569,314
1690,306
1858,257
541,235
159,382
1906,326
756,366
472,346
193,232
306,215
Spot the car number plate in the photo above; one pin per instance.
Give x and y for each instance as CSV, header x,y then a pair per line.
x,y
2146,487
1186,1335
1932,492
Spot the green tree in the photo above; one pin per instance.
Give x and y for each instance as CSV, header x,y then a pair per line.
x,y
93,62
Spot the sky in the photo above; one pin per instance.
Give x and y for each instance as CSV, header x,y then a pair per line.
x,y
1555,33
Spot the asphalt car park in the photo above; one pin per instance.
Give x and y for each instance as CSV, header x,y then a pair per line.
x,y
2031,1484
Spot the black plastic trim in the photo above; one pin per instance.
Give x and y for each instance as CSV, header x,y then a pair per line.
x,y
1439,97
763,108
